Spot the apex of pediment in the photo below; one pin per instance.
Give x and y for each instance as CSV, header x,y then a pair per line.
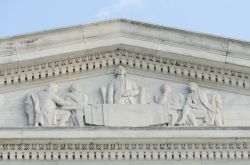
x,y
64,42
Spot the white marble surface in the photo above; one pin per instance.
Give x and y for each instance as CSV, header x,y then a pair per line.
x,y
161,40
134,162
154,145
109,134
235,106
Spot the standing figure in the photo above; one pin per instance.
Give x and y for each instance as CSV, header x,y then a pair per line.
x,y
216,102
29,108
75,96
32,110
122,90
197,101
172,101
47,104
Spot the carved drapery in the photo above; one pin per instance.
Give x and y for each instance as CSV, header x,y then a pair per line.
x,y
200,108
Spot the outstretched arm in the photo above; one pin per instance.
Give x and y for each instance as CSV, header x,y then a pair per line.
x,y
58,100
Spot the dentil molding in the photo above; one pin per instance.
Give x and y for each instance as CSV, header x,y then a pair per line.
x,y
131,59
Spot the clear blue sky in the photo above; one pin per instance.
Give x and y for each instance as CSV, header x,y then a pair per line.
x,y
230,18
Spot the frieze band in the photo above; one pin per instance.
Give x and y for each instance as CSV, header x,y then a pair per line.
x,y
123,105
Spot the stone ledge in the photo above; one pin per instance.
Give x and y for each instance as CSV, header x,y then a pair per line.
x,y
181,133
125,144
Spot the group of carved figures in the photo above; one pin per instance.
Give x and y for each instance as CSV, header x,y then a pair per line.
x,y
47,108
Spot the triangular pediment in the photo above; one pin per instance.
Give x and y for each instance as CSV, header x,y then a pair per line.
x,y
201,57
152,56
123,91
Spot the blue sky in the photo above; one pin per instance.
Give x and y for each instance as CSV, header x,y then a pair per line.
x,y
230,18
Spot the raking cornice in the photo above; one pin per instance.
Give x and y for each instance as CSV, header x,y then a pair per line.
x,y
145,47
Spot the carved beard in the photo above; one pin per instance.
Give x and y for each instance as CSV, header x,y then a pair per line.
x,y
120,87
121,84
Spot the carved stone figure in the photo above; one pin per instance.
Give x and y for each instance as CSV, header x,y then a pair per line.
x,y
29,109
32,110
201,102
48,102
168,97
75,97
172,101
47,108
122,90
216,101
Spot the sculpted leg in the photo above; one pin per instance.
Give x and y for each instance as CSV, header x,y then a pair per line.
x,y
218,120
64,118
74,119
184,115
80,118
192,119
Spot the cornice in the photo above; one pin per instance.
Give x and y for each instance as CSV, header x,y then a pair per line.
x,y
162,144
50,43
149,63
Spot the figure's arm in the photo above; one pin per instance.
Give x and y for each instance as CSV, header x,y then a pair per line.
x,y
203,97
210,107
58,100
76,99
190,101
206,103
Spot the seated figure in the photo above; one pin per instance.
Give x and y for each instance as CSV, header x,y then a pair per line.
x,y
122,90
202,104
43,108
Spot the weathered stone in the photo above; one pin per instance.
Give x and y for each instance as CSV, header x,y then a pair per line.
x,y
128,92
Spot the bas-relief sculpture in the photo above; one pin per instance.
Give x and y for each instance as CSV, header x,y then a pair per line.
x,y
172,101
77,100
202,103
122,106
121,89
45,107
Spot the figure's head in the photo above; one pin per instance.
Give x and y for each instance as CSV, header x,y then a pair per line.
x,y
165,88
120,70
53,87
193,86
27,95
75,88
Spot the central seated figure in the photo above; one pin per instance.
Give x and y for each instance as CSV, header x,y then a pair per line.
x,y
122,90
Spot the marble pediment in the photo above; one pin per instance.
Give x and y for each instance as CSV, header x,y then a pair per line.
x,y
168,80
123,92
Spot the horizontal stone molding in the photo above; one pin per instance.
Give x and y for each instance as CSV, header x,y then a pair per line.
x,y
163,134
131,144
130,59
49,151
